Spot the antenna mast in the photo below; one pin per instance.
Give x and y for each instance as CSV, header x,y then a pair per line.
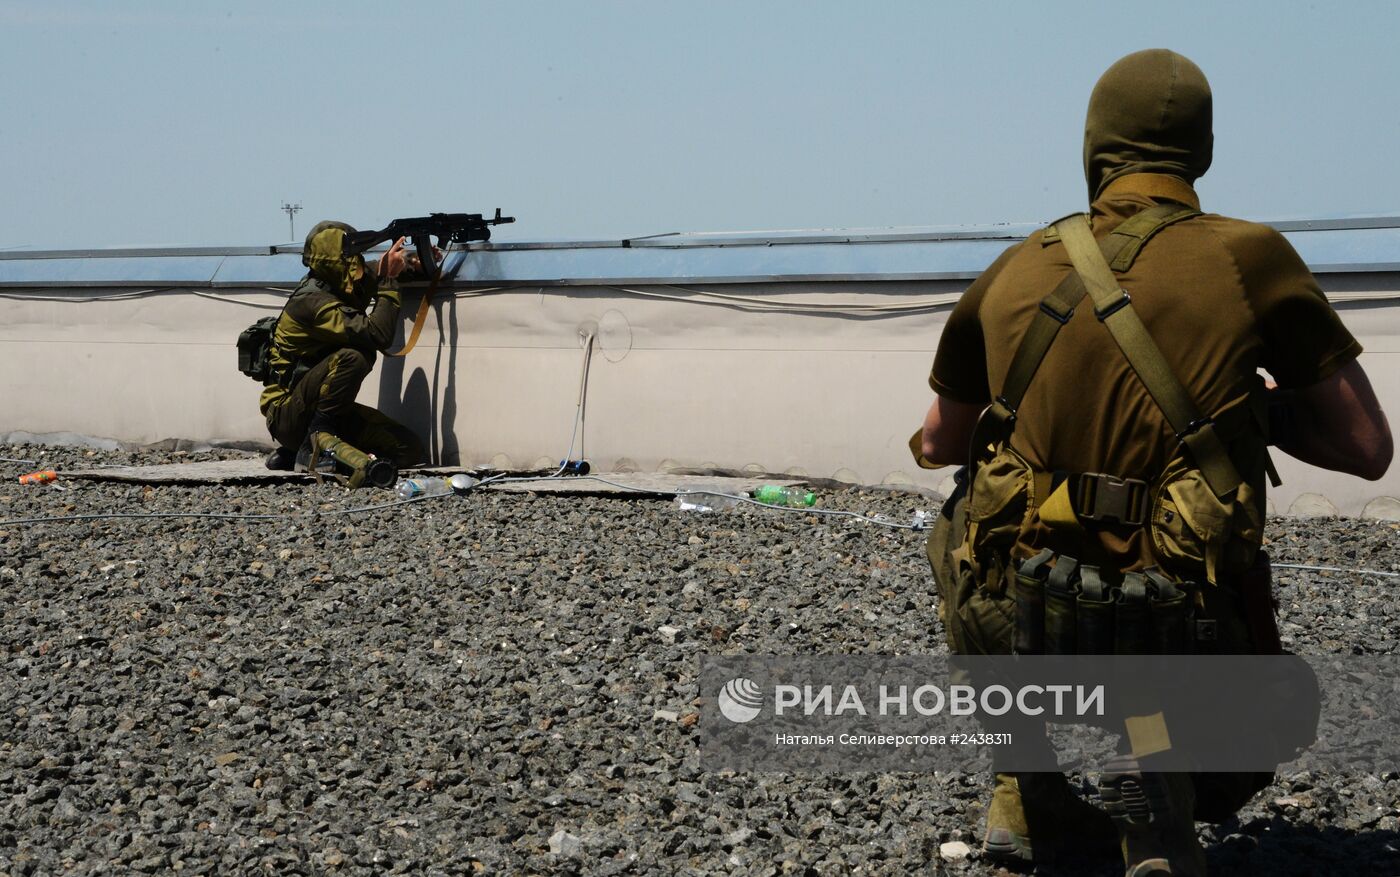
x,y
291,211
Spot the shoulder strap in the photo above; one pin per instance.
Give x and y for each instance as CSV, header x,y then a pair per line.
x,y
1121,247
1113,307
309,297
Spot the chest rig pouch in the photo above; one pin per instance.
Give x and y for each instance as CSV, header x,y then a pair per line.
x,y
1205,521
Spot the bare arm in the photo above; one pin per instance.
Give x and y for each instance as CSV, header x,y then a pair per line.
x,y
948,429
1338,424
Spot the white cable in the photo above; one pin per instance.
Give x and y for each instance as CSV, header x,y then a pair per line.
x,y
949,298
580,421
696,296
1367,572
578,410
75,299
699,297
143,293
320,513
272,306
501,479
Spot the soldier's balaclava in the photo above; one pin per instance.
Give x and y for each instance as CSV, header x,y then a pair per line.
x,y
1149,113
324,254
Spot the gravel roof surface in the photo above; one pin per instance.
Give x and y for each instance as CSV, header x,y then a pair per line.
x,y
472,685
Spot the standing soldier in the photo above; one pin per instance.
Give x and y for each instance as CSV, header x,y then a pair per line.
x,y
324,346
1103,378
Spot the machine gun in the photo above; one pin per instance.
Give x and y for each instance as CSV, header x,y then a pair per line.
x,y
457,228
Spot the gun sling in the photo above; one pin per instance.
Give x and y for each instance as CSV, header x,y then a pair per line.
x,y
420,317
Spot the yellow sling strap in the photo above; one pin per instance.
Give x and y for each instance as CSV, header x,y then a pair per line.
x,y
420,318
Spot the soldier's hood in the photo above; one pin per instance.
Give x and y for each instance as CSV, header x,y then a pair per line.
x,y
1149,113
324,256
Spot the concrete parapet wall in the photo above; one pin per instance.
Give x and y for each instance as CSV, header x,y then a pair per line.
x,y
806,378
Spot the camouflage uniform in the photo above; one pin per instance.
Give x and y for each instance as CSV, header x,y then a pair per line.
x,y
324,347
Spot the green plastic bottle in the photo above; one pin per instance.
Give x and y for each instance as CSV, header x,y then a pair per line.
x,y
775,494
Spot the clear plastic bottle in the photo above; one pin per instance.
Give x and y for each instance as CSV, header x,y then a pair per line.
x,y
775,494
408,488
700,500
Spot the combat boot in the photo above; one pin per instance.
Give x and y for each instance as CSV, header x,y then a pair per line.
x,y
1153,812
281,460
1008,836
332,456
1044,807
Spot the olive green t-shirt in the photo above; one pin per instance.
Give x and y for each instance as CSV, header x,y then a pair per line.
x,y
1223,298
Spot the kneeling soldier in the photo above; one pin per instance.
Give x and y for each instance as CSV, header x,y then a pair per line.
x,y
1130,341
323,348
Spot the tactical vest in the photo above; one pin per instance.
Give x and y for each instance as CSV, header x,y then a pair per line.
x,y
1204,519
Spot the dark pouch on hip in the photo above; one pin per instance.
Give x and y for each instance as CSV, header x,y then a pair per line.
x,y
1172,632
1094,614
1060,594
1132,617
1029,594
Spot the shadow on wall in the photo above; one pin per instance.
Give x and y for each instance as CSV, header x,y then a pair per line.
x,y
412,397
447,451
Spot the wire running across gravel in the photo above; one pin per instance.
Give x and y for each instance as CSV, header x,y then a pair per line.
x,y
1366,572
218,516
836,513
499,479
502,479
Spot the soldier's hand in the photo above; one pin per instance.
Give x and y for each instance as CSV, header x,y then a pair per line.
x,y
416,270
392,263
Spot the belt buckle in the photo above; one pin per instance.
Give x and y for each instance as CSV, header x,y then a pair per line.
x,y
1109,499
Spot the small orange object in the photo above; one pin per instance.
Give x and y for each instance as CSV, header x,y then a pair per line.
x,y
43,476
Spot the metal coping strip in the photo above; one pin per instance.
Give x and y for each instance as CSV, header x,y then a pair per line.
x,y
719,280
469,284
689,240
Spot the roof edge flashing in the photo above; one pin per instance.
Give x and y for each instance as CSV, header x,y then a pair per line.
x,y
1010,231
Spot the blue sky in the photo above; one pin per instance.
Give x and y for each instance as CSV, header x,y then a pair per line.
x,y
177,123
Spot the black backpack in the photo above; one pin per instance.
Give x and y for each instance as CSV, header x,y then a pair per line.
x,y
255,349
